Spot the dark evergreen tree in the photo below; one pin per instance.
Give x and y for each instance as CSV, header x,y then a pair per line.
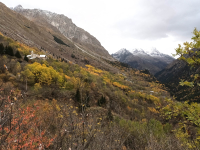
x,y
26,58
1,49
18,55
9,51
78,96
87,100
102,101
5,50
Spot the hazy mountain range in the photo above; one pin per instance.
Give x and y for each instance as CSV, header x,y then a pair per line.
x,y
154,61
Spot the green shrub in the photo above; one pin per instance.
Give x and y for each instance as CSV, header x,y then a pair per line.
x,y
59,41
155,127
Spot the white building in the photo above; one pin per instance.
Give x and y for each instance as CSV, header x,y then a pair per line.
x,y
33,56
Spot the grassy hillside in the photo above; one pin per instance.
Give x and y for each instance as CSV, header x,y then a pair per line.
x,y
50,104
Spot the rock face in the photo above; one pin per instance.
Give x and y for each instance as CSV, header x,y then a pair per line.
x,y
66,27
154,61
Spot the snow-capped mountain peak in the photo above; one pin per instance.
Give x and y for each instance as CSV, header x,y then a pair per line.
x,y
18,7
155,52
46,13
122,51
154,60
138,52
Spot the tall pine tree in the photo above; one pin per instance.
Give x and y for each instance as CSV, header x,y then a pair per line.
x,y
1,49
17,54
9,51
101,101
78,96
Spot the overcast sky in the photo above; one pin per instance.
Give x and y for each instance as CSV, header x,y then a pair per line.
x,y
129,24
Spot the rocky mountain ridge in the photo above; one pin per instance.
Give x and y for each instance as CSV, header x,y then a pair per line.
x,y
45,37
66,27
154,61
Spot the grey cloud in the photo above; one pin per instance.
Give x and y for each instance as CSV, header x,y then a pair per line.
x,y
158,18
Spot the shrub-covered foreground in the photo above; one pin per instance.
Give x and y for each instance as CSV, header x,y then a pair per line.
x,y
48,104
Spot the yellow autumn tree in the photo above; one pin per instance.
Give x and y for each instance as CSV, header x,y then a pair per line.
x,y
43,74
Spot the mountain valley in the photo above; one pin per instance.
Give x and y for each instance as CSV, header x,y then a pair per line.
x,y
80,97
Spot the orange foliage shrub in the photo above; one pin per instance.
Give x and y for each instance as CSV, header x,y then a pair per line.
x,y
120,86
153,110
67,77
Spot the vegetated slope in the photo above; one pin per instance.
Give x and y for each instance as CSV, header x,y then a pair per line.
x,y
139,59
173,74
46,38
67,28
57,105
